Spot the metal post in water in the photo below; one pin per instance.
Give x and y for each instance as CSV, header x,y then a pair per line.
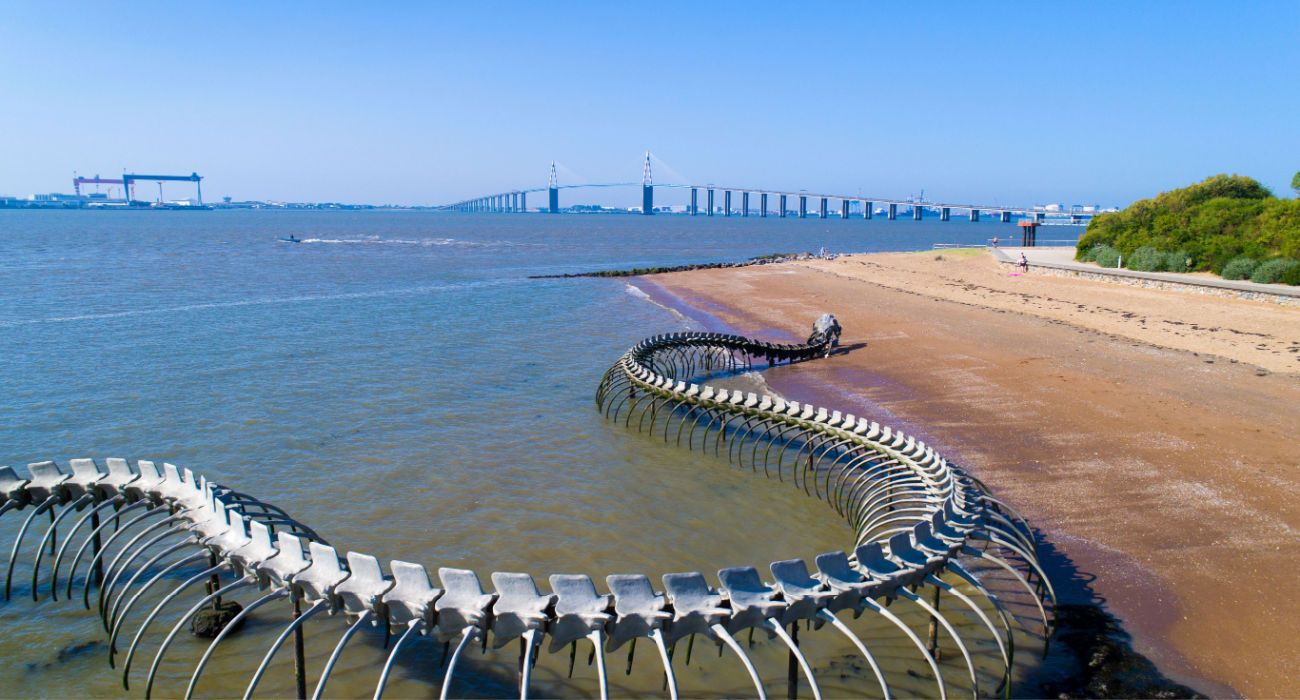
x,y
299,656
95,546
933,644
792,666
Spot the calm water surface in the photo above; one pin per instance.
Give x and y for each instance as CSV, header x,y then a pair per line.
x,y
399,384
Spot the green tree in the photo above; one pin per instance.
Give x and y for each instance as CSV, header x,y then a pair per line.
x,y
1295,182
1209,223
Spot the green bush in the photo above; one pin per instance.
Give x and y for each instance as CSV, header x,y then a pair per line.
x,y
1177,261
1145,259
1271,271
1213,221
1291,276
1106,256
1239,268
1086,254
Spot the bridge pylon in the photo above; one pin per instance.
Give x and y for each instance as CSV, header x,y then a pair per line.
x,y
647,189
553,193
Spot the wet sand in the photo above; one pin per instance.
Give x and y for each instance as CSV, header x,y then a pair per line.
x,y
1150,434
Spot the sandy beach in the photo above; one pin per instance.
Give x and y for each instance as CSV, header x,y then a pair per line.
x,y
1150,434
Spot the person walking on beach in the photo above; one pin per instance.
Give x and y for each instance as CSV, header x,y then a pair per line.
x,y
995,241
1024,263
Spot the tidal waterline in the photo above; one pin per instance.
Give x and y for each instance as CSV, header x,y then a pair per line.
x,y
396,382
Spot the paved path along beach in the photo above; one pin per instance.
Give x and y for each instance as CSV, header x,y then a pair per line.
x,y
1151,434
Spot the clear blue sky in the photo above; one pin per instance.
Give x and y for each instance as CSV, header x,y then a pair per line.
x,y
427,103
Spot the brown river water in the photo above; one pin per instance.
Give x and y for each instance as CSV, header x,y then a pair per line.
x,y
397,383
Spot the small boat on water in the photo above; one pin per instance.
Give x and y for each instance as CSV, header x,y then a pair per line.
x,y
291,239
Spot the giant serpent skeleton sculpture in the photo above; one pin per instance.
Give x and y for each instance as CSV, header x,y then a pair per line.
x,y
915,515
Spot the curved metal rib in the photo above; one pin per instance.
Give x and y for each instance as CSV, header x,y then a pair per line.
x,y
597,648
961,646
411,628
117,603
934,667
338,652
1006,660
49,532
279,641
1032,593
18,540
862,647
139,634
966,575
658,636
525,673
798,655
234,622
113,575
72,573
162,650
67,540
744,658
465,637
117,627
89,581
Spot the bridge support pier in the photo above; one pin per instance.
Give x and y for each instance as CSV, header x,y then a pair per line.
x,y
762,206
783,209
844,208
822,212
893,211
866,210
726,202
553,200
523,202
647,199
916,212
803,207
695,201
944,213
744,204
1005,217
974,214
710,201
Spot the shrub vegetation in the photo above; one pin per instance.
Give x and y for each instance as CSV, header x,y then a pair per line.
x,y
1239,268
1291,276
1105,256
1272,271
1146,259
1203,227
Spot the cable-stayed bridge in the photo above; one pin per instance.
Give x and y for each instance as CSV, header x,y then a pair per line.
x,y
719,200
